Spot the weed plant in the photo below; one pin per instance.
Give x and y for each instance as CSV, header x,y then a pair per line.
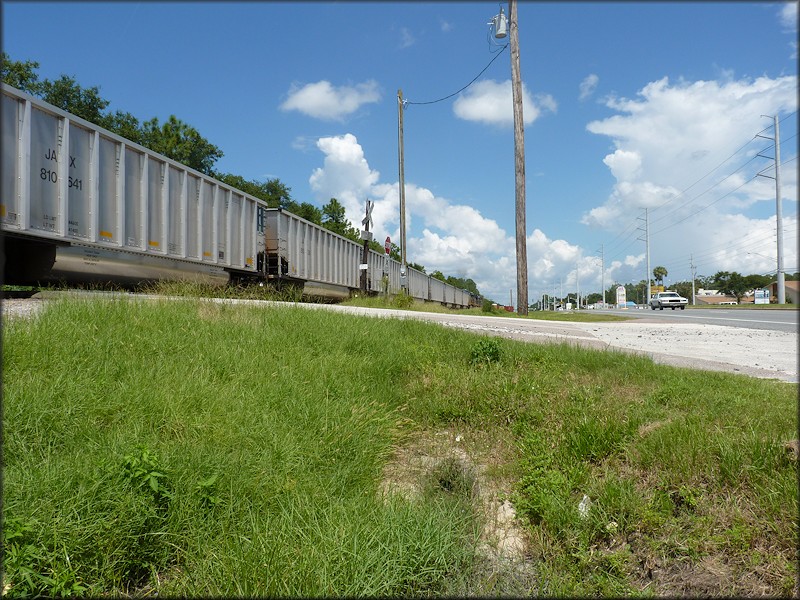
x,y
198,449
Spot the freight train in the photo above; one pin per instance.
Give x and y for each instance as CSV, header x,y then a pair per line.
x,y
80,204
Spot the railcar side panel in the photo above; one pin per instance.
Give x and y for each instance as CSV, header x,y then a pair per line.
x,y
108,186
437,287
11,161
304,251
417,284
134,199
67,182
95,206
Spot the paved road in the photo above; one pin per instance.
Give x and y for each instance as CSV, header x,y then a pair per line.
x,y
772,319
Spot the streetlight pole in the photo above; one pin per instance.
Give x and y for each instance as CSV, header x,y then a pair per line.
x,y
519,163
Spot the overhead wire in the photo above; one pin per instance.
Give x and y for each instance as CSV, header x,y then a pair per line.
x,y
463,88
633,225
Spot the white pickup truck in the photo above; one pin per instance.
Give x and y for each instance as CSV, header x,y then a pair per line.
x,y
671,300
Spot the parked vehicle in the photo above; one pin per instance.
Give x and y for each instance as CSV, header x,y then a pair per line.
x,y
80,204
668,299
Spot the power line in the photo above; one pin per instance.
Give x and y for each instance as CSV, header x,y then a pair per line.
x,y
718,199
664,216
709,173
466,86
632,226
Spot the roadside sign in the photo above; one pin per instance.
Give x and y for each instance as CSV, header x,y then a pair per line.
x,y
367,220
621,300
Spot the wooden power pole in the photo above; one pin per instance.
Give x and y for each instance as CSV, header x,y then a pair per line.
x,y
401,188
519,163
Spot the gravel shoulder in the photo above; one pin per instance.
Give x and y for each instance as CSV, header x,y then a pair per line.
x,y
754,352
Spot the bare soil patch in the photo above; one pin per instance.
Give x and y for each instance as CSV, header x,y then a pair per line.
x,y
504,566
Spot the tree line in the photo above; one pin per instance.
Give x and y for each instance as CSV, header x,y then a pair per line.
x,y
181,142
729,283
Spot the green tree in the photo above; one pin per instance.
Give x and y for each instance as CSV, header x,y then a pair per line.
x,y
593,298
21,75
731,283
659,273
684,288
758,281
182,142
334,219
438,275
123,124
394,251
307,211
464,284
67,94
278,194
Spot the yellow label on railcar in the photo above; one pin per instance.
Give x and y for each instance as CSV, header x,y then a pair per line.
x,y
249,261
154,244
206,254
106,234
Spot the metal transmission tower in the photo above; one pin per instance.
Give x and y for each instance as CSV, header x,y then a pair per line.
x,y
647,249
778,211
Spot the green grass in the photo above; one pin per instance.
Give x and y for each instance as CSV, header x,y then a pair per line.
x,y
198,449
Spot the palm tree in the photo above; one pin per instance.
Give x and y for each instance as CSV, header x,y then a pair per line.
x,y
659,273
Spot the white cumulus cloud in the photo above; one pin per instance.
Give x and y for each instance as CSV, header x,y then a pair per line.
x,y
588,86
788,16
323,100
442,234
672,146
672,135
491,102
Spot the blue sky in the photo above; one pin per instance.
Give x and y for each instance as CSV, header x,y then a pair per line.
x,y
628,106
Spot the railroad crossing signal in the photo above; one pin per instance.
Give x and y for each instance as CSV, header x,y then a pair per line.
x,y
367,220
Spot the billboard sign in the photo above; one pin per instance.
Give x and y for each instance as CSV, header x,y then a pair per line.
x,y
761,296
621,299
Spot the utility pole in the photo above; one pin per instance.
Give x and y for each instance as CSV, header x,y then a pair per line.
x,y
647,250
577,285
402,189
519,163
693,270
778,209
602,278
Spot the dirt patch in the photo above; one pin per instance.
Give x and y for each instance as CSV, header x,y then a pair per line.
x,y
504,566
650,427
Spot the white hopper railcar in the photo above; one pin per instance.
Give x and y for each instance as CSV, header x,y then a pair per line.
x,y
79,204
